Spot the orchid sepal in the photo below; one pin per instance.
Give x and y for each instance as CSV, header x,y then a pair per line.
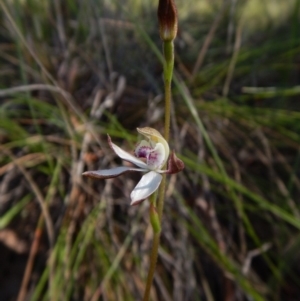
x,y
111,173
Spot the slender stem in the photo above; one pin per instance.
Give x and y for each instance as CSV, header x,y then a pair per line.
x,y
168,73
154,251
168,48
153,259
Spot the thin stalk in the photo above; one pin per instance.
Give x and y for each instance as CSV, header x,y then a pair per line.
x,y
153,259
168,73
154,251
168,48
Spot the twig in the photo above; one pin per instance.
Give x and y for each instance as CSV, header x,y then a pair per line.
x,y
264,248
31,257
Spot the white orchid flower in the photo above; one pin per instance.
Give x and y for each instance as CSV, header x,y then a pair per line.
x,y
155,150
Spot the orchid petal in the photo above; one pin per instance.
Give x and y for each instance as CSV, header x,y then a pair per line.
x,y
145,187
126,156
111,173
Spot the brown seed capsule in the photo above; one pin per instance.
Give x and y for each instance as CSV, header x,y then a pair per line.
x,y
167,18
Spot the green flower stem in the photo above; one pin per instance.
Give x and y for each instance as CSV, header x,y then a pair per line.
x,y
153,259
155,222
168,48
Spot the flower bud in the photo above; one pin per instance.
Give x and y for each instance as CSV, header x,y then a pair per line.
x,y
167,19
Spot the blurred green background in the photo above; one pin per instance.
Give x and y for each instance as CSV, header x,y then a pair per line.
x,y
72,72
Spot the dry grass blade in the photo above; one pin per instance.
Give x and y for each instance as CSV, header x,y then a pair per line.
x,y
29,266
27,160
208,39
38,194
237,46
